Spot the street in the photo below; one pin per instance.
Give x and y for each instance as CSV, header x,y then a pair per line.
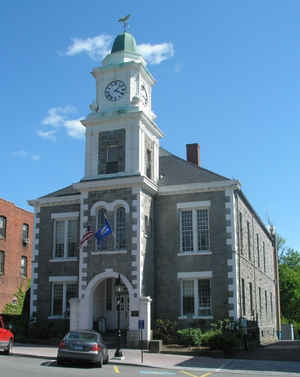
x,y
19,366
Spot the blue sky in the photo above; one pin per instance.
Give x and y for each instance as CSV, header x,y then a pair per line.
x,y
227,77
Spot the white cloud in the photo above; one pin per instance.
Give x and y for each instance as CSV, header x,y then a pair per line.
x,y
60,117
155,54
96,47
50,135
21,153
74,128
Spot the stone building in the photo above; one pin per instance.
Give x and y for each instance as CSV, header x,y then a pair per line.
x,y
186,243
16,228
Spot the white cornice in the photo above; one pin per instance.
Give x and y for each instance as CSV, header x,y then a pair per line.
x,y
198,187
59,200
125,182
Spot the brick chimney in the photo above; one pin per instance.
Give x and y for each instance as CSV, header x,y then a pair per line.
x,y
193,153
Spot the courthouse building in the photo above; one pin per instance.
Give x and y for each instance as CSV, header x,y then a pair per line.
x,y
186,243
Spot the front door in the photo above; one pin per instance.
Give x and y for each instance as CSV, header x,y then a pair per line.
x,y
124,311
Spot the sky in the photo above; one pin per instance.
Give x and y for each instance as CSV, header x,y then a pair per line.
x,y
227,77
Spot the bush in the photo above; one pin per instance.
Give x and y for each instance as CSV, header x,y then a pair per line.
x,y
190,336
208,338
224,341
165,330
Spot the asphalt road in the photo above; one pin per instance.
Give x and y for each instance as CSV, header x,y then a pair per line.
x,y
18,366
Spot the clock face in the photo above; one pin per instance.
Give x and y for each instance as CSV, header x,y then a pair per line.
x,y
144,95
115,90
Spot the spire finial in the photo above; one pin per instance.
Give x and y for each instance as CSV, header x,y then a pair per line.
x,y
125,21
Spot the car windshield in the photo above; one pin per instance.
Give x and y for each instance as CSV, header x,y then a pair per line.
x,y
85,336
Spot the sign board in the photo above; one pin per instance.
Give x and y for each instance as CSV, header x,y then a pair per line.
x,y
135,313
141,324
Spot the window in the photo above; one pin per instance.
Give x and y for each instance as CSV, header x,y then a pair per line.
x,y
251,299
241,233
148,163
249,240
195,298
147,227
24,266
120,228
194,230
25,234
109,293
113,156
61,292
101,215
264,256
271,303
66,238
266,303
260,303
1,262
258,250
2,227
243,298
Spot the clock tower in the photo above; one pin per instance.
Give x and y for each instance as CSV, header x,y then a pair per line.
x,y
122,138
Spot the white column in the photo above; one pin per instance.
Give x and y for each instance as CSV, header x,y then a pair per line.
x,y
145,314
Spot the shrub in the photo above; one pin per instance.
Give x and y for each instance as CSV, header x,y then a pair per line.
x,y
190,336
165,330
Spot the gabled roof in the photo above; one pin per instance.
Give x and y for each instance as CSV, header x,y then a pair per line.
x,y
66,191
174,170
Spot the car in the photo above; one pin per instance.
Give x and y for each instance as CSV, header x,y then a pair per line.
x,y
6,338
82,345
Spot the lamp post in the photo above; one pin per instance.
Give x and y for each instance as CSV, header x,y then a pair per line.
x,y
118,290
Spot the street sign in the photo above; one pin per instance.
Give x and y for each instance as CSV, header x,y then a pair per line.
x,y
141,324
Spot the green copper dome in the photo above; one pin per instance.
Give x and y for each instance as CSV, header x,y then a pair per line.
x,y
124,42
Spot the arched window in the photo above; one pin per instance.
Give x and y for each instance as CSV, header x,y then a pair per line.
x,y
101,215
120,228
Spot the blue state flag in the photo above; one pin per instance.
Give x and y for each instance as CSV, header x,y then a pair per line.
x,y
103,232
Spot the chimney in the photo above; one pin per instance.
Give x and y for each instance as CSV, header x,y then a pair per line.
x,y
193,153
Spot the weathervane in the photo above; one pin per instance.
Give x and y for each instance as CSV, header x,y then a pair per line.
x,y
125,21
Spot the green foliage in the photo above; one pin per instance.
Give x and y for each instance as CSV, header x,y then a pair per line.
x,y
166,330
296,326
16,308
190,336
224,341
208,337
289,282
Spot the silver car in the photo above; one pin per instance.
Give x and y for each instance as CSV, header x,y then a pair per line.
x,y
82,346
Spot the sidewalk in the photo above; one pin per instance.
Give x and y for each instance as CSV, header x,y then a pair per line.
x,y
166,361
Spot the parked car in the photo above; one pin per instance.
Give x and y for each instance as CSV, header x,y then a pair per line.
x,y
82,346
6,338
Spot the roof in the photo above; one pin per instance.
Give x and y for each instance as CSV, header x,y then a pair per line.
x,y
66,191
176,171
124,42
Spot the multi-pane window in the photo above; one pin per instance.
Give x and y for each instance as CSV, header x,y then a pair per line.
x,y
25,234
101,216
196,297
148,163
61,292
271,303
266,303
120,228
251,298
2,227
249,240
24,266
258,249
1,262
243,298
264,257
113,155
260,303
66,238
241,231
194,230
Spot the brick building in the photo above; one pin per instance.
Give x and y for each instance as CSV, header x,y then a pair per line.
x,y
186,244
16,228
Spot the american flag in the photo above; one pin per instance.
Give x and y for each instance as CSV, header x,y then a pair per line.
x,y
87,235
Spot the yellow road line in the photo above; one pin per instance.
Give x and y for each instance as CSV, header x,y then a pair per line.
x,y
192,375
116,369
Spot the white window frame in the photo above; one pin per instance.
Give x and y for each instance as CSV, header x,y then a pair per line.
x,y
65,217
194,206
194,276
64,281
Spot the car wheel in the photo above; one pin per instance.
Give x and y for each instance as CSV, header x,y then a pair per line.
x,y
100,362
9,349
106,359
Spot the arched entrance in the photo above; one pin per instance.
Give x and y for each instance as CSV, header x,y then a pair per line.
x,y
100,301
107,303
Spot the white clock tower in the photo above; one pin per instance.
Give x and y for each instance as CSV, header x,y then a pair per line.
x,y
122,138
